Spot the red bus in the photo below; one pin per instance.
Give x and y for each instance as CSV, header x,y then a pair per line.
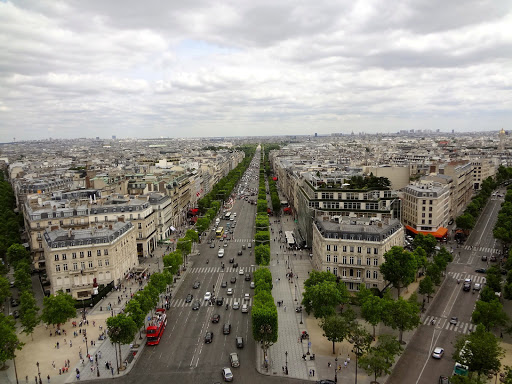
x,y
156,327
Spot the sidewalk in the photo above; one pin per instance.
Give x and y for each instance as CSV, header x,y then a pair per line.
x,y
42,347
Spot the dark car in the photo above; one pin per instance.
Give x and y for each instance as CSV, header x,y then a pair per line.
x,y
235,265
484,257
14,303
189,298
233,280
240,253
208,338
481,270
232,260
196,285
196,305
16,314
247,277
226,329
215,318
450,222
224,284
493,258
239,342
220,301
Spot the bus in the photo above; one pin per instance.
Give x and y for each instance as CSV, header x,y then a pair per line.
x,y
219,232
460,369
228,215
156,327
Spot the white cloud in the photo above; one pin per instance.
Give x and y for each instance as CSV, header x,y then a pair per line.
x,y
228,68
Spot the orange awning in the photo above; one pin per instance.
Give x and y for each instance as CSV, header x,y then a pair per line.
x,y
439,234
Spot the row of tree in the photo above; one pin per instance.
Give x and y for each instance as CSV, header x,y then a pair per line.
x,y
467,220
261,222
10,222
503,227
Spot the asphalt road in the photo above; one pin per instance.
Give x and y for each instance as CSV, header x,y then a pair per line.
x,y
417,365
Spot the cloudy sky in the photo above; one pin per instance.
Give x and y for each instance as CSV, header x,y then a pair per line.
x,y
227,68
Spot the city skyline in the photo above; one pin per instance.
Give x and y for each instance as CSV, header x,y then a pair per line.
x,y
137,70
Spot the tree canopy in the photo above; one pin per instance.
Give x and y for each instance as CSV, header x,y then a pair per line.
x,y
57,309
399,267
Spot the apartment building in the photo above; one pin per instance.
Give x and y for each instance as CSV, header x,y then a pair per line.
x,y
78,261
426,207
162,206
353,248
482,169
462,174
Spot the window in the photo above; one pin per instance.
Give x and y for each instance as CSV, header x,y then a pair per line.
x,y
344,259
105,252
368,274
81,255
344,248
98,252
375,274
422,215
56,257
139,226
335,248
106,263
424,201
352,249
96,219
90,264
344,272
328,258
40,245
376,262
375,251
106,218
73,255
359,261
82,265
335,258
100,263
431,202
328,247
65,267
335,271
328,269
57,268
351,259
89,253
358,273
368,250
64,257
75,266
368,261
38,225
359,249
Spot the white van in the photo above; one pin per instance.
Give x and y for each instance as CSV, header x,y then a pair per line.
x,y
217,221
221,252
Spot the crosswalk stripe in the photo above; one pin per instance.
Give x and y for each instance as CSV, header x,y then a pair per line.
x,y
465,328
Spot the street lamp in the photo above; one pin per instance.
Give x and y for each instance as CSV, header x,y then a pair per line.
x,y
336,369
301,314
286,363
295,292
86,344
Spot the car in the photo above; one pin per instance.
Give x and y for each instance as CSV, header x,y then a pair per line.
x,y
221,239
208,337
326,382
247,297
481,270
243,247
235,265
438,353
230,291
233,280
196,305
484,257
477,287
245,308
12,284
236,305
298,309
224,284
249,245
14,302
16,314
444,380
225,244
252,284
450,222
239,342
247,277
212,245
493,258
231,218
207,296
215,318
240,253
226,329
196,285
241,271
233,358
227,374
454,320
232,260
189,298
234,214
220,301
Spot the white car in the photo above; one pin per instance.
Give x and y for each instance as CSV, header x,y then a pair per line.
x,y
241,271
207,296
477,287
438,353
236,305
227,374
234,214
230,291
247,297
245,308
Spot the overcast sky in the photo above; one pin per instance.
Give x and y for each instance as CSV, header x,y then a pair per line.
x,y
88,68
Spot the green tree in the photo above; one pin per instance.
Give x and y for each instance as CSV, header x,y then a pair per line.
x,y
489,314
28,312
262,254
482,351
421,257
192,235
361,341
173,261
427,242
264,321
262,237
16,253
159,281
487,294
316,277
202,224
372,310
57,309
22,276
184,246
399,267
262,206
402,315
134,311
426,287
465,222
336,327
9,341
434,273
121,329
379,360
5,291
321,299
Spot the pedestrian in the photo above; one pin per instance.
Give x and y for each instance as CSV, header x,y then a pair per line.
x,y
112,370
285,308
348,359
99,354
501,335
313,372
329,364
70,344
310,373
53,364
345,363
48,378
36,379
